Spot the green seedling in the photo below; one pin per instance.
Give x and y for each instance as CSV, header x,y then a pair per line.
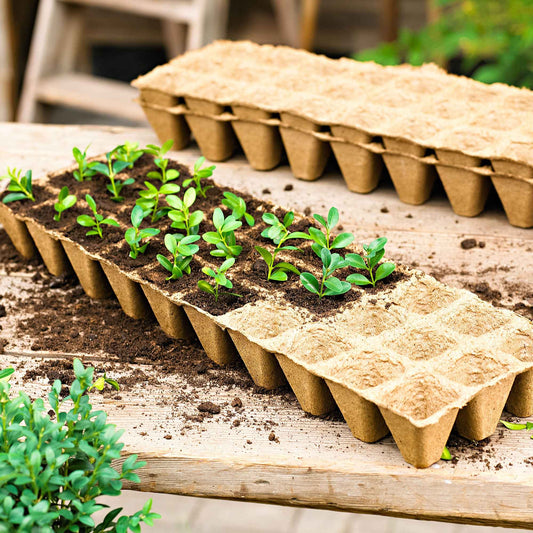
x,y
128,152
224,237
57,461
64,201
111,169
158,152
446,454
373,253
151,196
20,187
181,216
85,169
138,239
528,426
96,221
238,207
219,280
278,232
323,239
182,251
329,285
200,174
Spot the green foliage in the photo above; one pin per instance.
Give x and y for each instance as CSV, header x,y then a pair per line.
x,y
198,175
135,236
528,426
219,280
111,169
238,207
329,285
64,201
182,250
150,197
20,187
323,239
128,152
373,253
181,216
85,169
492,38
54,468
158,152
446,455
96,220
224,237
278,232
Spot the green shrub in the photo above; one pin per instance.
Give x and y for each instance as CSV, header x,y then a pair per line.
x,y
53,467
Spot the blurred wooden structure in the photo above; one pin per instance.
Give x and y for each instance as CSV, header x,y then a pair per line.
x,y
51,76
7,63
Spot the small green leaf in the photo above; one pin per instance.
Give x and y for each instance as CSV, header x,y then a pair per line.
x,y
278,275
265,254
446,455
358,279
204,286
342,240
384,270
86,220
513,426
310,282
137,216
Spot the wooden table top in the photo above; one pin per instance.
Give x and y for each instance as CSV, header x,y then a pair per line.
x,y
312,462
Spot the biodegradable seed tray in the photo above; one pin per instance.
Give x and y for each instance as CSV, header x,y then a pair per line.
x,y
414,357
420,122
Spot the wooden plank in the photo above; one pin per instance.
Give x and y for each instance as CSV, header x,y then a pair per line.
x,y
99,95
174,10
316,462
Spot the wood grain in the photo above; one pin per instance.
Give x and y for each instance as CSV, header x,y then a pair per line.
x,y
316,463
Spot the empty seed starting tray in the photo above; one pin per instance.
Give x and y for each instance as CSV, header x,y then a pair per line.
x,y
411,356
419,121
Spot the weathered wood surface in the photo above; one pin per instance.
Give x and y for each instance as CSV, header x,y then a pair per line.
x,y
316,462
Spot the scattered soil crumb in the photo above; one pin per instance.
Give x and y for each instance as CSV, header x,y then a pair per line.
x,y
272,437
288,187
408,215
236,403
307,211
384,210
236,423
168,437
468,244
209,407
266,191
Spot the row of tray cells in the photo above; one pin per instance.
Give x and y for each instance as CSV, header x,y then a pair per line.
x,y
413,179
420,447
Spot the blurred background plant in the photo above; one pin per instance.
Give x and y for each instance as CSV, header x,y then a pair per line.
x,y
489,40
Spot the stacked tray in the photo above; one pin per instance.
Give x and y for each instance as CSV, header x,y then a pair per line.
x,y
419,122
414,359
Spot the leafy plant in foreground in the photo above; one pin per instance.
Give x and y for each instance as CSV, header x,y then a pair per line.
x,y
111,169
528,426
158,152
135,236
64,201
329,285
20,187
323,239
96,220
53,467
150,197
181,216
219,280
373,253
182,251
278,232
128,152
85,169
199,174
224,237
238,207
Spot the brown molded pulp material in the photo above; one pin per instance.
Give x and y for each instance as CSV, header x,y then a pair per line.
x,y
51,251
18,233
128,292
170,316
89,272
321,102
412,358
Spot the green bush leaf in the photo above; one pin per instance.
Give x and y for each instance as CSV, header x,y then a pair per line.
x,y
384,270
310,282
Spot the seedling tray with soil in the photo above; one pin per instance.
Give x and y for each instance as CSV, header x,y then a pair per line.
x,y
418,122
411,355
